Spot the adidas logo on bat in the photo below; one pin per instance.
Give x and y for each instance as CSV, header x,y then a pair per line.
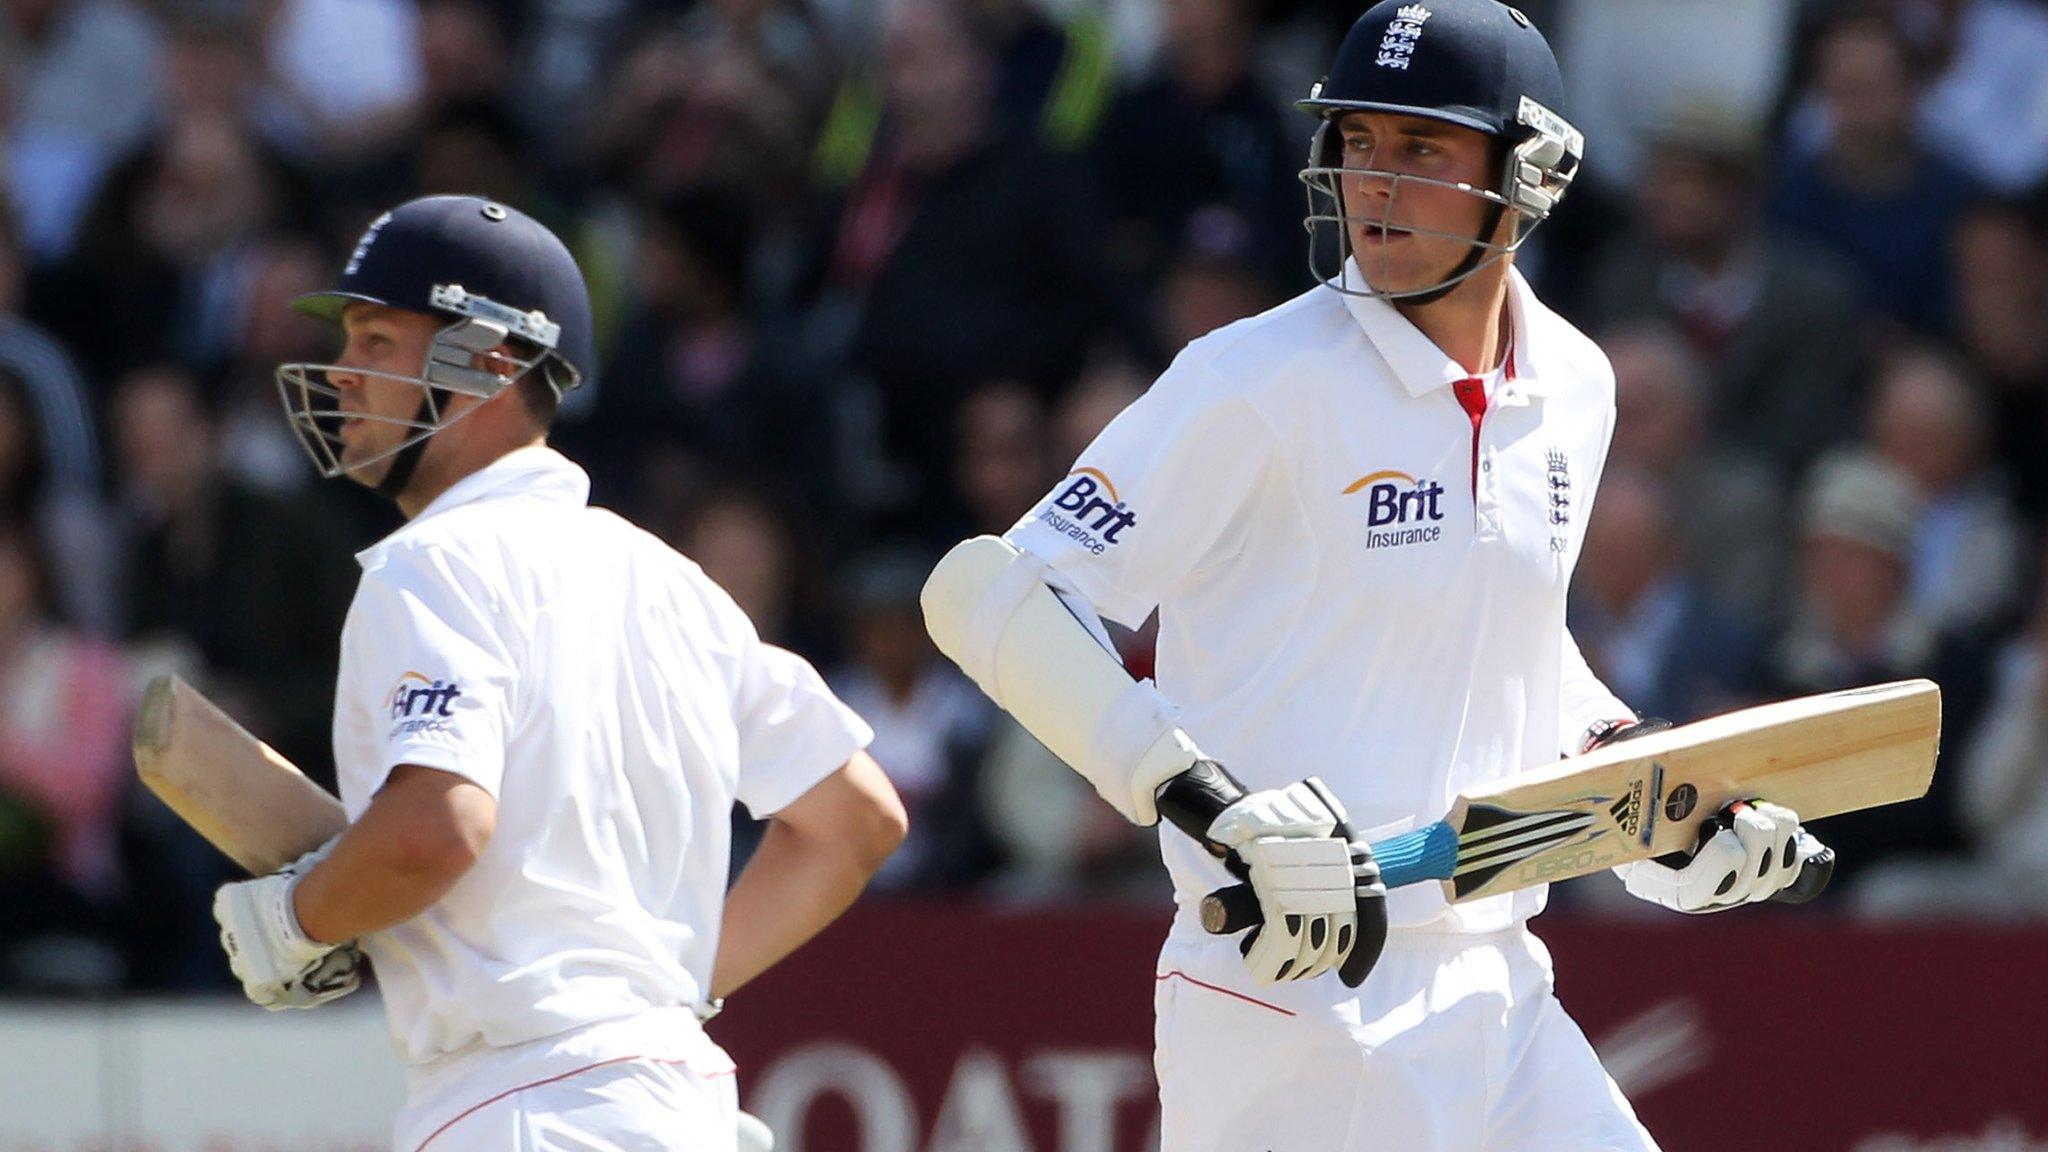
x,y
1628,811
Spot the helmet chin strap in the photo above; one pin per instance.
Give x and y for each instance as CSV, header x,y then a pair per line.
x,y
400,473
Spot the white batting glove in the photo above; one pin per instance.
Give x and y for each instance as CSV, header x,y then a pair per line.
x,y
1759,852
1307,880
278,964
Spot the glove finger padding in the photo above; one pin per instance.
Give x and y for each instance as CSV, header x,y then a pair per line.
x,y
1305,896
1762,844
1779,865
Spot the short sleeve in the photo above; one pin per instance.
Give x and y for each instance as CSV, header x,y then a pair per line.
x,y
793,731
1149,500
430,648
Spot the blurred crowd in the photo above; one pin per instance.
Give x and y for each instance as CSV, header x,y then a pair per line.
x,y
869,274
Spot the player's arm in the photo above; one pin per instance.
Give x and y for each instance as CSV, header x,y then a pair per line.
x,y
290,936
423,831
1024,635
1162,492
817,854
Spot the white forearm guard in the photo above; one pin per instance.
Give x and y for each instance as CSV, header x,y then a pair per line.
x,y
990,609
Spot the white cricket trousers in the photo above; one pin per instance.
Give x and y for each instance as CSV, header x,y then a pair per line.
x,y
673,1092
1455,1043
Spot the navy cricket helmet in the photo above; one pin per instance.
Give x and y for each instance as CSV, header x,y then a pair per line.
x,y
497,276
1477,64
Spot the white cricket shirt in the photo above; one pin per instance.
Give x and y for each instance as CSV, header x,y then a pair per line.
x,y
1350,584
615,702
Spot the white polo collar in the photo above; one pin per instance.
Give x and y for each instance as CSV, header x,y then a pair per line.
x,y
1422,367
536,472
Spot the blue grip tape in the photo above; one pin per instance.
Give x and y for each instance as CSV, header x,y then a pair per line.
x,y
1425,854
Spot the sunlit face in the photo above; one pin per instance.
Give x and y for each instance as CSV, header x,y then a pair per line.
x,y
1391,218
380,340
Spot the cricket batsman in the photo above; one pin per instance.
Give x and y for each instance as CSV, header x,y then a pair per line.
x,y
542,720
1357,515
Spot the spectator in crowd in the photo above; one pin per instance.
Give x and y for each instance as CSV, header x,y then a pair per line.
x,y
1106,388
1872,195
245,588
928,719
2002,802
966,254
1052,68
1202,114
1642,621
1002,466
730,96
1855,624
466,53
50,453
746,541
476,146
1774,321
2004,786
1057,840
65,702
1629,65
257,447
208,67
345,75
697,374
80,82
1999,258
1728,508
1930,422
74,535
1984,109
164,245
57,399
1211,282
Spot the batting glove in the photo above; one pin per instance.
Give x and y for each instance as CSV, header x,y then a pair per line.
x,y
1308,880
1752,851
278,964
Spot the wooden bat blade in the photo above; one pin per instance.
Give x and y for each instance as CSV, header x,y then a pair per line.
x,y
1818,755
232,788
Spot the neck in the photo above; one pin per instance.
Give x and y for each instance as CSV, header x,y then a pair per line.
x,y
436,475
1470,324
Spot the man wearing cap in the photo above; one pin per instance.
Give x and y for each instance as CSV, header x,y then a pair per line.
x,y
1357,515
543,717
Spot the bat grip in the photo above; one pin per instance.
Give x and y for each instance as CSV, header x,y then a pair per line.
x,y
1425,854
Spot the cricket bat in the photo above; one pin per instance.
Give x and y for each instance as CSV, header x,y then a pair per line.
x,y
232,788
1817,755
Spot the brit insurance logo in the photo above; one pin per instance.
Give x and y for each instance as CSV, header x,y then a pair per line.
x,y
1086,509
1399,509
420,704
